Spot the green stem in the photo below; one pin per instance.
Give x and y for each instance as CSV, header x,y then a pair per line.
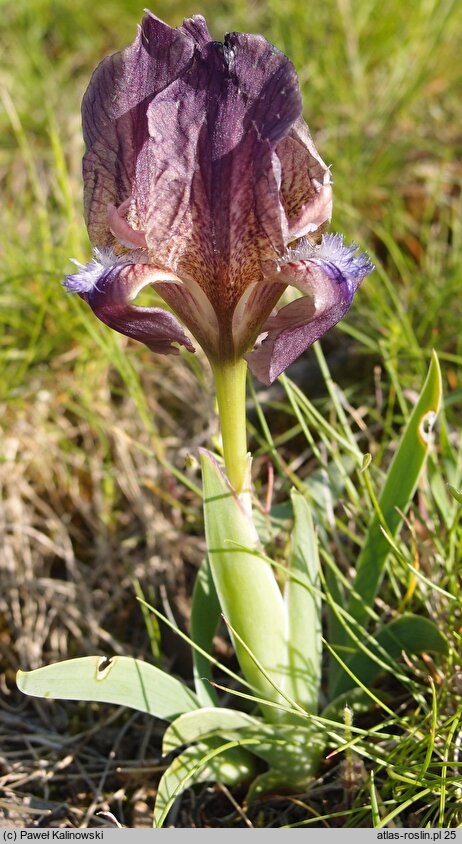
x,y
230,380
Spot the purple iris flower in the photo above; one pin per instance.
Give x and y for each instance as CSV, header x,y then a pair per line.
x,y
202,180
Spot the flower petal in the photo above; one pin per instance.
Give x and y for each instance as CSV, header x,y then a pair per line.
x,y
109,290
195,311
328,276
252,311
305,183
114,115
213,212
197,28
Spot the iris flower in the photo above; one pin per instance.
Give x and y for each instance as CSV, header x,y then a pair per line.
x,y
201,179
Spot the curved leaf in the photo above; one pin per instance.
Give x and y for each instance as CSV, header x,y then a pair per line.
x,y
411,633
355,698
397,493
303,605
205,616
118,679
211,760
270,782
194,726
294,751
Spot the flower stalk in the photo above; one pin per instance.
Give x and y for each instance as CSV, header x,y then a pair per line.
x,y
230,382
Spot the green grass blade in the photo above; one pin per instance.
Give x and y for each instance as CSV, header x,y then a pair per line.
x,y
374,802
119,679
150,622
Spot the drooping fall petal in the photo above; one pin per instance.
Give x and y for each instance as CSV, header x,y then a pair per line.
x,y
109,287
328,276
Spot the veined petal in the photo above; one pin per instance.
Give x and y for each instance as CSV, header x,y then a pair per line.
x,y
252,311
328,276
195,311
109,289
213,212
114,117
306,183
197,28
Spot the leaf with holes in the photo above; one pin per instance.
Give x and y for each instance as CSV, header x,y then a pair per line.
x,y
118,679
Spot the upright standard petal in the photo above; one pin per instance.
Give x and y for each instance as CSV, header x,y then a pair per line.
x,y
306,185
192,149
114,118
214,212
328,275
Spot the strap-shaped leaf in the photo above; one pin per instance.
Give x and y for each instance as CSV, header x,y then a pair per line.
x,y
195,726
410,633
303,605
205,615
118,679
211,760
400,485
293,750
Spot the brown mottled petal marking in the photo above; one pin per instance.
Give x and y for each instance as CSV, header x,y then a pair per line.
x,y
306,182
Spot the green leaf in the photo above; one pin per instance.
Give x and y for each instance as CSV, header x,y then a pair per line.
x,y
357,700
400,485
457,494
293,750
270,782
246,587
205,615
211,760
197,725
118,679
303,603
410,633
